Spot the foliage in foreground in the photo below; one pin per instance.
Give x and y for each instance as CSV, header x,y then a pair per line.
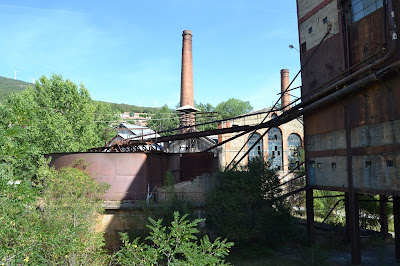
x,y
244,209
52,222
176,245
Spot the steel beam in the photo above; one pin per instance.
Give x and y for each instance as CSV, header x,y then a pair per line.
x,y
354,228
383,213
310,213
396,214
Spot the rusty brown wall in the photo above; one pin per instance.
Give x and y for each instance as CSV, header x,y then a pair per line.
x,y
128,174
366,36
325,64
196,164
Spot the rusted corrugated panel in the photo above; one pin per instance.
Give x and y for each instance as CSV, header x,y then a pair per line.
x,y
196,164
394,96
158,165
129,174
125,172
324,65
366,37
327,119
375,104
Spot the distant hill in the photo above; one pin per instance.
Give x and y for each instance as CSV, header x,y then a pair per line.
x,y
8,86
122,107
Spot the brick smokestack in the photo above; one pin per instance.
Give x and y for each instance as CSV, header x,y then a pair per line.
x,y
285,100
187,97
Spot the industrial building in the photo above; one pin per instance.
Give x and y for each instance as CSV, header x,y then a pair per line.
x,y
280,146
350,90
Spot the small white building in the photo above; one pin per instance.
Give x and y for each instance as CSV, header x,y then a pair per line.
x,y
132,132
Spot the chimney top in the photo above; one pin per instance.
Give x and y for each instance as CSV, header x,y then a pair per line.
x,y
187,32
284,71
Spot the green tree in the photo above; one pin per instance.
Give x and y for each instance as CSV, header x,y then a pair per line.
x,y
55,116
203,118
245,209
164,119
47,217
324,203
104,117
176,245
233,107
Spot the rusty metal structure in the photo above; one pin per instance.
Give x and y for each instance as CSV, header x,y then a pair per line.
x,y
350,77
132,176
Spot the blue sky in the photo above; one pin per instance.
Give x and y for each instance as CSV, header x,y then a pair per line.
x,y
130,51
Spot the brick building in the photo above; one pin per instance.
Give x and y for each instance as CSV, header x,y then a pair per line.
x,y
280,145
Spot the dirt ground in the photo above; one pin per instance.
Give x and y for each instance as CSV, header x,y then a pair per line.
x,y
329,249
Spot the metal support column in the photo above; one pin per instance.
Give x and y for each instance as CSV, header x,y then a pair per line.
x,y
310,213
396,214
383,215
353,198
347,212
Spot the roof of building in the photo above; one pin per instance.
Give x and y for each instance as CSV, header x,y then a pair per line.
x,y
187,109
138,132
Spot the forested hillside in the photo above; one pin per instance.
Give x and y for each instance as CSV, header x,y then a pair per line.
x,y
122,107
8,86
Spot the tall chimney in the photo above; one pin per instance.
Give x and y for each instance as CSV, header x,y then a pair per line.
x,y
285,100
187,97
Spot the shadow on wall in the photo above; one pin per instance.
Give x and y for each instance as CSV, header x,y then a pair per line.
x,y
133,177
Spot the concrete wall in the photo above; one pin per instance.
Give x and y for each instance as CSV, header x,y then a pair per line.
x,y
315,21
374,122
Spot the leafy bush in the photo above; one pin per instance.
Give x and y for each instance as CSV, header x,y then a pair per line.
x,y
169,203
245,209
324,203
51,224
176,245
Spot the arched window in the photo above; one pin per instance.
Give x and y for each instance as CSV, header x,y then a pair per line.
x,y
275,155
294,146
258,149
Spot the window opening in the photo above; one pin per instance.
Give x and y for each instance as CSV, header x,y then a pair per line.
x,y
333,165
303,47
293,151
325,20
257,150
389,163
362,8
275,148
368,164
310,30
